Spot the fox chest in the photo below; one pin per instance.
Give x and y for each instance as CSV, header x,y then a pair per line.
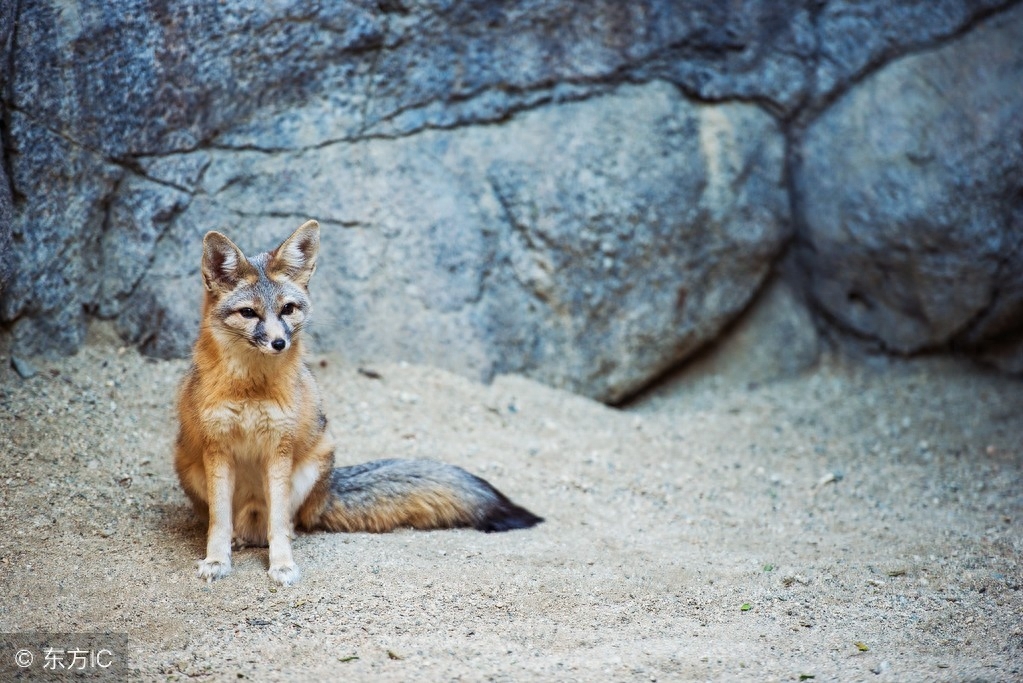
x,y
249,429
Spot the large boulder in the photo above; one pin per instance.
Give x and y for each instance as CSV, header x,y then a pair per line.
x,y
637,227
590,245
910,192
57,260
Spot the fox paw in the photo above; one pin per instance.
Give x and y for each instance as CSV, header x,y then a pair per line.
x,y
213,569
285,574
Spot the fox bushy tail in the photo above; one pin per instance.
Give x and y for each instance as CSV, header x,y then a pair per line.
x,y
423,494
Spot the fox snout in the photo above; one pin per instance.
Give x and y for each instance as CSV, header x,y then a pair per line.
x,y
272,336
274,346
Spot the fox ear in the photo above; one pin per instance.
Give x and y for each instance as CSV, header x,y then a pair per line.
x,y
295,259
223,264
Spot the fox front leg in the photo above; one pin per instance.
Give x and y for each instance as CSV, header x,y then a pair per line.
x,y
219,491
283,569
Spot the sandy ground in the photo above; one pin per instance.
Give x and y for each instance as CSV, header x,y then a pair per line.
x,y
851,524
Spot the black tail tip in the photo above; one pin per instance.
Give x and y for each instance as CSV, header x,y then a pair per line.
x,y
507,516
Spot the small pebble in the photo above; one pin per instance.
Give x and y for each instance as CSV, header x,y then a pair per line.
x,y
21,366
830,478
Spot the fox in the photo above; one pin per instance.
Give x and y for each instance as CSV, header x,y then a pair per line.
x,y
253,452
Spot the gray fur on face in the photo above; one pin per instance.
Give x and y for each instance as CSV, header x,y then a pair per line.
x,y
269,299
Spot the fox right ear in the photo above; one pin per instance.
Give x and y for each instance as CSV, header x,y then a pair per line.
x,y
296,257
223,264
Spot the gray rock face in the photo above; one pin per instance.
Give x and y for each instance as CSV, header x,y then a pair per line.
x,y
774,339
6,200
569,190
590,245
6,218
852,38
56,254
147,78
639,242
911,194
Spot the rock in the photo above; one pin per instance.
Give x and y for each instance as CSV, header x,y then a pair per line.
x,y
168,78
6,219
853,37
138,217
56,229
24,369
111,184
7,18
295,73
911,196
881,667
633,246
589,245
775,339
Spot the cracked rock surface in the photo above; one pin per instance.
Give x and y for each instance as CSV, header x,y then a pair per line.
x,y
561,244
914,234
584,193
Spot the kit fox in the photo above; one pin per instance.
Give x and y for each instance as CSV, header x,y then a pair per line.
x,y
253,452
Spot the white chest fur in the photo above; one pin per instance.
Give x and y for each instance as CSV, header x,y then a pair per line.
x,y
249,429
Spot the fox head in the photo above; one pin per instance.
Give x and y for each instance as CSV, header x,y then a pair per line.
x,y
263,300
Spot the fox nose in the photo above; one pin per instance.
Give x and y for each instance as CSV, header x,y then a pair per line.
x,y
278,344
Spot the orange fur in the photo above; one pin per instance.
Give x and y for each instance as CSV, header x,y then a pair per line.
x,y
253,453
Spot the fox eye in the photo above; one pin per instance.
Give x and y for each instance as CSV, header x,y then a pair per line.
x,y
288,309
247,312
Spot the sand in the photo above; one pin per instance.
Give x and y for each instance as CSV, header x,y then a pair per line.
x,y
858,522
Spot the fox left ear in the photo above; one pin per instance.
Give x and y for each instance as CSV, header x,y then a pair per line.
x,y
223,264
296,257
